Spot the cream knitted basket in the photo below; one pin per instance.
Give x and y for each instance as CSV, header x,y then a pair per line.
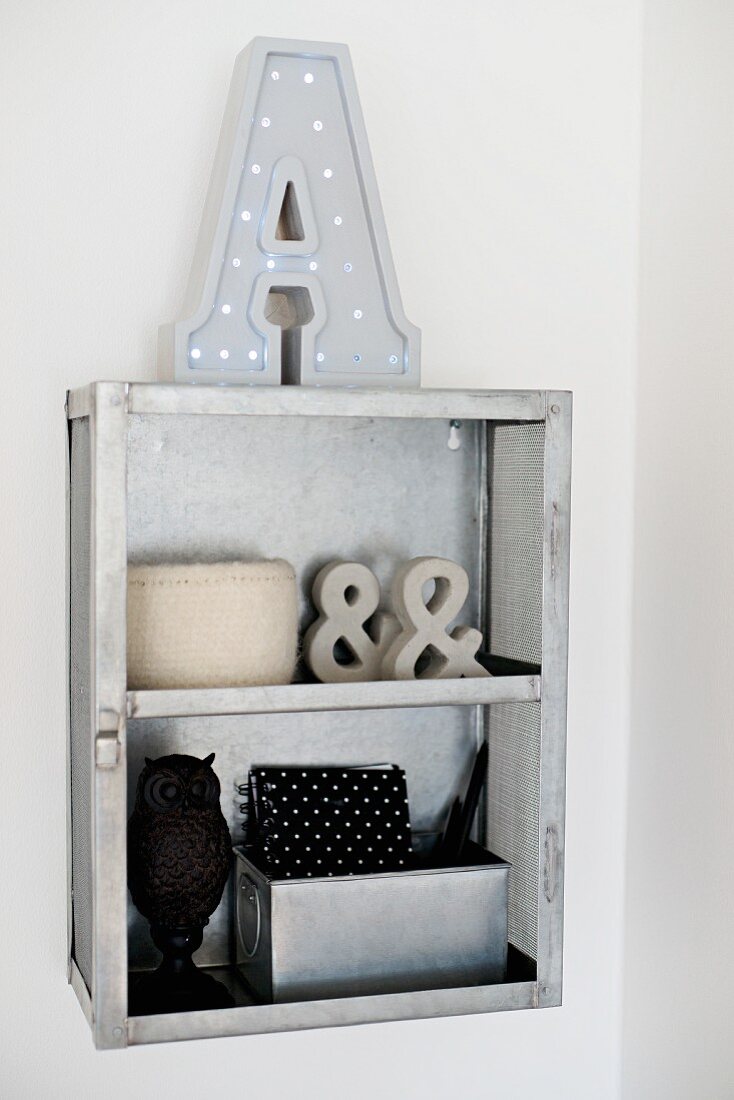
x,y
229,624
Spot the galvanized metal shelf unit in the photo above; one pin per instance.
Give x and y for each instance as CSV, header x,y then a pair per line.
x,y
175,472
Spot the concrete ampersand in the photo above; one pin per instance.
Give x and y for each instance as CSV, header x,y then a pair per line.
x,y
424,624
346,594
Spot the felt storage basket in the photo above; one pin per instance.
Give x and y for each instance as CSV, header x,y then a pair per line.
x,y
425,928
226,624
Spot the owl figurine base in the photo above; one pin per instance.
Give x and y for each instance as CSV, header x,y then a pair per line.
x,y
178,860
177,985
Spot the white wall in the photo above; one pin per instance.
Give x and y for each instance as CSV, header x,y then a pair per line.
x,y
679,959
505,138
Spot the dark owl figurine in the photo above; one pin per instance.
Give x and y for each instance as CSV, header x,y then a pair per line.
x,y
178,845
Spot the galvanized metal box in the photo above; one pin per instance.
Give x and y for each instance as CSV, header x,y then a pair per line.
x,y
427,928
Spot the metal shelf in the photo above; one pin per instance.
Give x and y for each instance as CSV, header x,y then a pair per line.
x,y
289,698
339,1012
167,399
182,473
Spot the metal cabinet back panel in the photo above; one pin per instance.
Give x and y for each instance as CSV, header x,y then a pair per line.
x,y
307,489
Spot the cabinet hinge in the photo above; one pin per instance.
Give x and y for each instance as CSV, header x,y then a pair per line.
x,y
551,863
107,742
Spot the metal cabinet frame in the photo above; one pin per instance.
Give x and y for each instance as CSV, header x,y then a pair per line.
x,y
107,705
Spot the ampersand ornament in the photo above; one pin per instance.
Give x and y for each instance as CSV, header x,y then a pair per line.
x,y
346,594
424,624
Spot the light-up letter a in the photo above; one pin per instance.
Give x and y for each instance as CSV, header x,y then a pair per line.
x,y
292,279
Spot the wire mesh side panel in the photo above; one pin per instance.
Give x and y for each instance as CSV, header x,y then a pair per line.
x,y
80,674
515,610
516,540
513,799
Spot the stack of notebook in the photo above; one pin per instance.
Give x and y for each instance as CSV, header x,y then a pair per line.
x,y
308,822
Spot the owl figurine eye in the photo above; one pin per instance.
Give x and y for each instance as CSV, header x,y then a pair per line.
x,y
204,790
163,793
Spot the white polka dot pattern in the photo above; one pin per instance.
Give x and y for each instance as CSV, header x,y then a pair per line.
x,y
330,838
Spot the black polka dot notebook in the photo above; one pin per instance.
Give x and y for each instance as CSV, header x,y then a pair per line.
x,y
311,822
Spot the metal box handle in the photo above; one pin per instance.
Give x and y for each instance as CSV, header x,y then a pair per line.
x,y
248,898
